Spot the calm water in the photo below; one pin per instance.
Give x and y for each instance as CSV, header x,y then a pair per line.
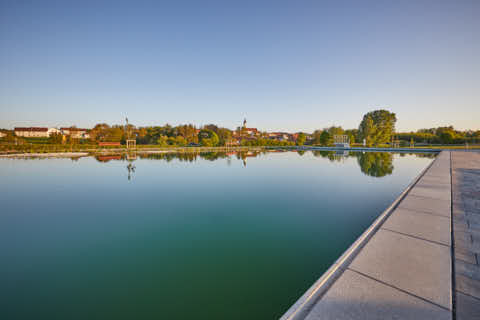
x,y
216,236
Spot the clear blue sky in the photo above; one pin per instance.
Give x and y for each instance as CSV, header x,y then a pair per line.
x,y
284,65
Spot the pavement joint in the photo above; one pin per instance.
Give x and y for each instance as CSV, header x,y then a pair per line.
x,y
420,211
419,238
396,288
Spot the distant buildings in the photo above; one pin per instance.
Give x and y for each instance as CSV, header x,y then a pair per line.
x,y
35,132
75,133
251,131
44,132
281,136
2,134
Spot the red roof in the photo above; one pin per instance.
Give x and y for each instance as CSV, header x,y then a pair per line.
x,y
31,129
109,143
108,158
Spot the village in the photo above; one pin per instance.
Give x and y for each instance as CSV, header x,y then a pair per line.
x,y
235,137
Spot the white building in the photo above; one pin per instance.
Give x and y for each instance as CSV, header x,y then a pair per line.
x,y
35,132
76,133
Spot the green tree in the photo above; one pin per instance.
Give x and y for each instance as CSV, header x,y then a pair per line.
x,y
224,135
180,141
208,138
335,131
325,138
316,136
352,135
377,127
446,135
55,138
301,139
162,141
172,141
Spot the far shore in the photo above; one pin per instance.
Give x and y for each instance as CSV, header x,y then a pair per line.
x,y
86,153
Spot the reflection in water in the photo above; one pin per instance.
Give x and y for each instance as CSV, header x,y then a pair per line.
x,y
180,233
374,164
131,170
107,158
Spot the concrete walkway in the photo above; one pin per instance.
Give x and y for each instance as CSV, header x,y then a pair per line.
x,y
401,267
466,232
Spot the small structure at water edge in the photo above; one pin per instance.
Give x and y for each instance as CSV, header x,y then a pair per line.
x,y
341,141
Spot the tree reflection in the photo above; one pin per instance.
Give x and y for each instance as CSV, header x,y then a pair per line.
x,y
376,164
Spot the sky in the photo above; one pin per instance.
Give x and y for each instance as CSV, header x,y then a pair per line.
x,y
282,65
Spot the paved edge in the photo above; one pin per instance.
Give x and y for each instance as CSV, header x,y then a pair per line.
x,y
305,303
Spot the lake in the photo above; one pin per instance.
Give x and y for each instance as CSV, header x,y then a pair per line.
x,y
183,236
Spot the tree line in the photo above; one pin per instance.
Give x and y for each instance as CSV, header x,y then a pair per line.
x,y
375,129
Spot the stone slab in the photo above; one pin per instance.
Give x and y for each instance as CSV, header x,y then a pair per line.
x,y
429,192
435,184
417,266
466,256
435,181
465,244
354,296
470,270
468,308
467,285
438,173
472,218
422,225
439,207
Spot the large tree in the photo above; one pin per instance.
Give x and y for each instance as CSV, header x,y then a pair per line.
x,y
301,139
325,138
377,127
208,138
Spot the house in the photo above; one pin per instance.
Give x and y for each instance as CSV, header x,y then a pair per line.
x,y
2,134
35,132
251,131
76,133
280,136
243,131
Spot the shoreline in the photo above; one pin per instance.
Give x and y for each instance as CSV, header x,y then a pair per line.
x,y
85,153
79,154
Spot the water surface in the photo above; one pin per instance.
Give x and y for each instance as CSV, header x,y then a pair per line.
x,y
211,236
